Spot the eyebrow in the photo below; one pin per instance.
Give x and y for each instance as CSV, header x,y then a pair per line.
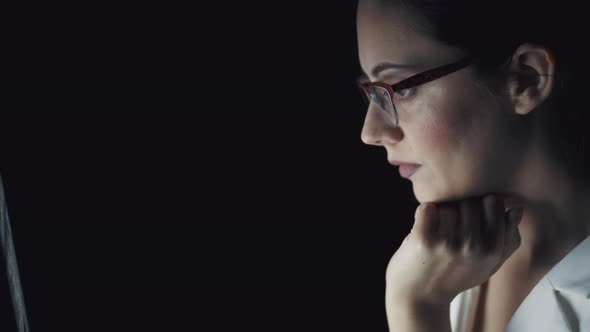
x,y
388,65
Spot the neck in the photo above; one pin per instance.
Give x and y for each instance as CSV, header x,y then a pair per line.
x,y
557,211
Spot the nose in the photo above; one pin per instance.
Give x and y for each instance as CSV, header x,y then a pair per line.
x,y
379,128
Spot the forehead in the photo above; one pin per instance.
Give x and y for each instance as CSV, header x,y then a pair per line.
x,y
388,33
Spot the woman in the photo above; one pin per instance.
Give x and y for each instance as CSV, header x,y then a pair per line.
x,y
498,124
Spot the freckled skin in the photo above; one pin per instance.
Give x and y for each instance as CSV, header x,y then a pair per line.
x,y
451,126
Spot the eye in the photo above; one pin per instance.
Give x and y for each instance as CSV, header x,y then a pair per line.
x,y
405,94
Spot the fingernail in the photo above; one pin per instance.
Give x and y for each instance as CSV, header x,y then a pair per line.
x,y
516,215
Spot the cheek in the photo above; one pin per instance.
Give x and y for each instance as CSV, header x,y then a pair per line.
x,y
443,122
438,134
454,142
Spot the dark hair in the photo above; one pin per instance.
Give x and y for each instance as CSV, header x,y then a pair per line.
x,y
492,30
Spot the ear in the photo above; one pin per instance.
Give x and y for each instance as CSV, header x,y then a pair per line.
x,y
531,77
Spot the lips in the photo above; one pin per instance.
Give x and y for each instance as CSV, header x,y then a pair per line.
x,y
406,170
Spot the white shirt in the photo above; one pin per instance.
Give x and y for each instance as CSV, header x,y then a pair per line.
x,y
559,302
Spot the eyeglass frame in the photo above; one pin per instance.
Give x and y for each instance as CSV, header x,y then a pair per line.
x,y
416,80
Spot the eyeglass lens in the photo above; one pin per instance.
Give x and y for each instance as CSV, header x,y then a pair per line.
x,y
381,98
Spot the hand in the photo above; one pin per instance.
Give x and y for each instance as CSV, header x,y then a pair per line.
x,y
453,246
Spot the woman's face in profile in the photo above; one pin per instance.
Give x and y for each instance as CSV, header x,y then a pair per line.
x,y
451,125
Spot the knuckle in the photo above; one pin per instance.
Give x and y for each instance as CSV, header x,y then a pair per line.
x,y
485,248
420,210
456,249
455,244
471,247
424,243
468,251
475,249
488,201
449,211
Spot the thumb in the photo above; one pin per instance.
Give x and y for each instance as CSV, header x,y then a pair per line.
x,y
514,216
512,239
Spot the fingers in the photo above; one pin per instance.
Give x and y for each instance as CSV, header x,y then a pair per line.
x,y
450,228
495,223
426,223
476,224
512,239
471,219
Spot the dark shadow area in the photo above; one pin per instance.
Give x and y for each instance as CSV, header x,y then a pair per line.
x,y
196,169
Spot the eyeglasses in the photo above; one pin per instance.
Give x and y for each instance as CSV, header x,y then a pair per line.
x,y
382,94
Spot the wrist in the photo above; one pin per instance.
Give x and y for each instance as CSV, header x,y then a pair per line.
x,y
416,307
409,300
405,314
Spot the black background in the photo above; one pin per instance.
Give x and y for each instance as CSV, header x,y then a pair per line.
x,y
195,167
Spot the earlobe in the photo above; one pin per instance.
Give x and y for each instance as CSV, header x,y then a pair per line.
x,y
531,81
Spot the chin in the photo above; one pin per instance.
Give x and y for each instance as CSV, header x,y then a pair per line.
x,y
428,193
420,195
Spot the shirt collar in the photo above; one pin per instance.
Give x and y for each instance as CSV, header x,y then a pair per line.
x,y
572,272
